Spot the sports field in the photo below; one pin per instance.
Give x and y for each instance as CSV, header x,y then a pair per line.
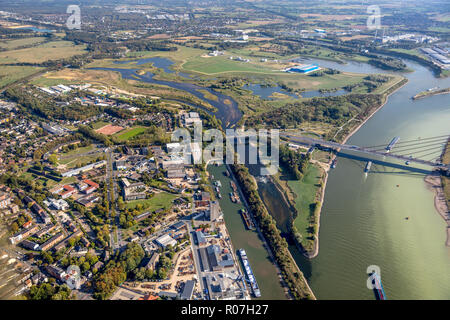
x,y
109,129
130,133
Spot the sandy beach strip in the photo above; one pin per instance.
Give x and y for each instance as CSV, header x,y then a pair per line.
x,y
434,183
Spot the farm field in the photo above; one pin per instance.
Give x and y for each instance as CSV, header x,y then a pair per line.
x,y
47,51
9,74
13,44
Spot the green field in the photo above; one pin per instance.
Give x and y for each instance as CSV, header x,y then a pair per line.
x,y
9,74
127,134
161,200
48,51
305,192
181,55
413,52
43,81
221,64
77,151
78,161
13,44
99,124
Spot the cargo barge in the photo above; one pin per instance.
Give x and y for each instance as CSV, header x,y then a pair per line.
x,y
368,166
235,193
248,221
392,144
249,273
378,287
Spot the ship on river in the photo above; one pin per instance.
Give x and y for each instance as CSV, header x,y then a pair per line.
x,y
333,164
248,221
368,166
378,287
235,193
249,273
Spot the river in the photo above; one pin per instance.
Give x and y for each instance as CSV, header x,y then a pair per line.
x,y
363,217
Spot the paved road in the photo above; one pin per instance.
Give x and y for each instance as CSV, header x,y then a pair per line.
x,y
196,258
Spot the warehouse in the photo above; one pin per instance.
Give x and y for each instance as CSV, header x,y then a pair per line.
x,y
304,69
166,240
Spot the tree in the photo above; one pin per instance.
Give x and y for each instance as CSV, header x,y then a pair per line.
x,y
14,227
47,257
85,266
53,159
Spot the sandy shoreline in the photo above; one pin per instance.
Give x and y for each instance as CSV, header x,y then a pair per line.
x,y
322,197
433,182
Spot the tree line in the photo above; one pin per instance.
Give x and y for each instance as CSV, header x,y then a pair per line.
x,y
278,245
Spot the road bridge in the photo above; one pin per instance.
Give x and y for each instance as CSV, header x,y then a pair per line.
x,y
394,150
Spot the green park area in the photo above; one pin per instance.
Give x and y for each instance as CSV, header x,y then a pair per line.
x,y
304,194
162,200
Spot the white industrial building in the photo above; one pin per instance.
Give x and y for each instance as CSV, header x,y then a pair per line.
x,y
166,240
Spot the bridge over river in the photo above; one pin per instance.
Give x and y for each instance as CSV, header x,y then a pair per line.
x,y
412,151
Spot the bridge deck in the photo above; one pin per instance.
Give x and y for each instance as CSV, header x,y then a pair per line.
x,y
337,146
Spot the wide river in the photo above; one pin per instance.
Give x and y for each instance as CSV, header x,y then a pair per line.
x,y
363,217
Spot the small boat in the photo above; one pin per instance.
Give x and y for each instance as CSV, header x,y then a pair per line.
x,y
368,166
333,164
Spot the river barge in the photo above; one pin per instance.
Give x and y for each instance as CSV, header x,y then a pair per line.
x,y
378,287
249,273
248,221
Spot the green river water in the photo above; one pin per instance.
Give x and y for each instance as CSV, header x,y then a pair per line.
x,y
363,217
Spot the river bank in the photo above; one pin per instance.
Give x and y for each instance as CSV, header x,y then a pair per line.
x,y
434,183
430,92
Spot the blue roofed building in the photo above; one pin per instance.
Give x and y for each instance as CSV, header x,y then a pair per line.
x,y
304,69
